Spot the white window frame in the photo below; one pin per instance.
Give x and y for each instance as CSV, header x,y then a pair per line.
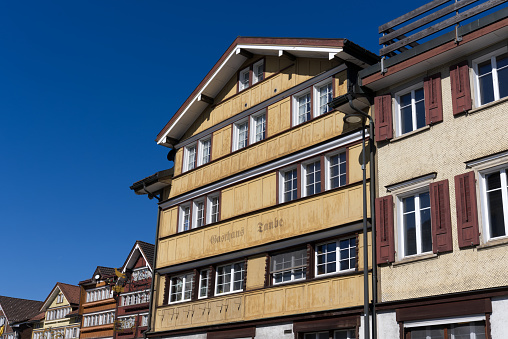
x,y
195,211
291,269
295,103
495,81
201,151
503,169
241,84
236,134
328,172
209,209
253,126
231,281
304,176
206,272
282,173
181,222
255,67
317,102
184,279
398,120
186,162
337,257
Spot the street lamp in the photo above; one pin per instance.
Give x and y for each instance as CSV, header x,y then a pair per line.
x,y
353,118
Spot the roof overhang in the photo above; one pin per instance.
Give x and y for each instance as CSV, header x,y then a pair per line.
x,y
235,57
153,183
131,260
476,35
51,297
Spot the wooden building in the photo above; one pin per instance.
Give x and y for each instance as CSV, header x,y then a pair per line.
x,y
259,232
442,153
59,314
98,307
15,314
133,301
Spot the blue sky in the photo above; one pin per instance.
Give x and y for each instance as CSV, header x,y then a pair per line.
x,y
85,86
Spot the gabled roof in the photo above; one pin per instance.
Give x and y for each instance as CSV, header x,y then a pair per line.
x,y
17,310
70,292
234,57
104,271
38,316
140,248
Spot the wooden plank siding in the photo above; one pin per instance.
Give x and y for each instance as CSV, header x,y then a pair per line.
x,y
310,296
299,217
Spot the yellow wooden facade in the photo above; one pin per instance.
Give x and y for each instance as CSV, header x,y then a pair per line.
x,y
250,213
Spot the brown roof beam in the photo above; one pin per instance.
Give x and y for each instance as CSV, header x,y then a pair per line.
x,y
206,99
244,53
287,55
414,13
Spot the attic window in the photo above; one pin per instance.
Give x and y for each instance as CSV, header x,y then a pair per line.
x,y
251,75
243,79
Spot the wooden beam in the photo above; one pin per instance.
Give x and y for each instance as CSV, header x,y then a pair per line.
x,y
170,142
206,99
244,53
425,20
442,25
414,13
287,55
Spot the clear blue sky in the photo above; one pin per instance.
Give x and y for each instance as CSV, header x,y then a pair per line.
x,y
85,86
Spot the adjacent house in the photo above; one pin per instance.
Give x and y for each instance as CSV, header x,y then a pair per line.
x,y
259,232
15,314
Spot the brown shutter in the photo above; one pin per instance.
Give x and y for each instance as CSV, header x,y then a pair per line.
x,y
383,115
166,290
310,261
384,230
440,216
433,101
267,270
461,90
467,212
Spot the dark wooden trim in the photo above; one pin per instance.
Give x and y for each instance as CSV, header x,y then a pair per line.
x,y
268,264
414,13
298,181
347,167
278,187
232,140
211,149
165,300
219,216
177,220
232,334
211,282
346,322
244,283
444,309
402,331
195,285
488,335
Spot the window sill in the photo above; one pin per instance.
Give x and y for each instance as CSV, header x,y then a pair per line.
x,y
489,105
406,135
415,259
493,243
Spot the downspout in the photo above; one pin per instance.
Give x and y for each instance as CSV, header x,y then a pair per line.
x,y
373,218
152,291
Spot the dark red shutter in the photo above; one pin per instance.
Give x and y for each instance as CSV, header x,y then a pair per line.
x,y
383,115
384,230
461,90
440,216
166,290
433,101
467,212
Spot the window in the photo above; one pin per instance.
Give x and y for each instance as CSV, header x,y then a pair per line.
x,y
213,208
336,256
185,218
289,266
190,157
415,224
342,334
324,95
97,319
494,190
289,184
258,71
491,77
311,177
203,283
302,108
240,134
59,298
410,106
144,320
141,274
229,278
199,213
468,330
336,165
205,147
258,129
181,288
243,79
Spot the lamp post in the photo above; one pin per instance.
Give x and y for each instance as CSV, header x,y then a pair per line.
x,y
357,117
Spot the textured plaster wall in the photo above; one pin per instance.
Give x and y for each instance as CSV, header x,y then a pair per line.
x,y
443,148
387,327
274,332
498,323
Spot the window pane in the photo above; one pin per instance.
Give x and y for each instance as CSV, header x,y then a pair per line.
x,y
313,178
485,80
495,205
406,119
502,75
420,114
426,230
409,224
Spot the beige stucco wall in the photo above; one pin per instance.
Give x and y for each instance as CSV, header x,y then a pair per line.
x,y
443,149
